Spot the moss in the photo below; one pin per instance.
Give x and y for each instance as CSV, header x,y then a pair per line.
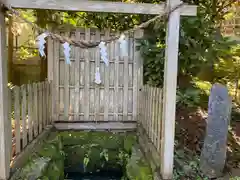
x,y
137,167
87,152
47,163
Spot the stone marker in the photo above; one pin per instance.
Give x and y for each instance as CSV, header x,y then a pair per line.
x,y
214,150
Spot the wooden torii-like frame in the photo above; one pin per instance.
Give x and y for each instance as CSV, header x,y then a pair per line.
x,y
170,69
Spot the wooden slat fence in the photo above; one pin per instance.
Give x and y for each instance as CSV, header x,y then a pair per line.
x,y
151,114
76,95
31,113
231,26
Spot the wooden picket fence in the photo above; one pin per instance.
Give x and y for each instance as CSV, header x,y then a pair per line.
x,y
31,112
151,114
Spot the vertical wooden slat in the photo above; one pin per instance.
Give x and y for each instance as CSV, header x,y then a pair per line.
x,y
10,109
148,110
170,86
30,112
44,102
77,76
106,85
153,114
17,119
160,119
142,106
40,89
66,92
51,101
87,83
139,58
97,91
4,121
23,119
50,104
135,78
125,87
35,116
150,113
156,116
56,69
116,81
47,107
145,107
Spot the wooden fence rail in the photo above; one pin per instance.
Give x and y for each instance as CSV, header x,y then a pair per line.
x,y
30,113
151,114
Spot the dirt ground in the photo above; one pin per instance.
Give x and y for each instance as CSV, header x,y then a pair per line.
x,y
190,133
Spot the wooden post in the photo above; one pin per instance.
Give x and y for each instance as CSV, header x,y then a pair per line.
x,y
5,123
169,93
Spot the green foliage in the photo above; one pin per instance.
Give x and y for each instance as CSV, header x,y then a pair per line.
x,y
24,53
186,166
189,97
235,178
47,163
201,47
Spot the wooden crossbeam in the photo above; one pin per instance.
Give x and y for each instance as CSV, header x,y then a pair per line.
x,y
99,6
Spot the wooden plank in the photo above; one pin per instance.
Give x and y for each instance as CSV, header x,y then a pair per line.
x,y
87,79
66,89
40,106
77,76
10,111
169,93
150,112
49,105
100,125
45,105
24,119
148,119
116,80
144,113
56,91
5,123
51,102
30,111
135,76
125,86
35,111
17,118
158,117
106,82
48,102
97,89
99,6
153,115
160,120
137,55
